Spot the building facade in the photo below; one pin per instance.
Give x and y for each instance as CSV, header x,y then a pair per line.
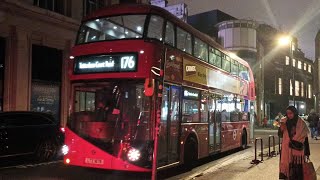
x,y
288,78
316,73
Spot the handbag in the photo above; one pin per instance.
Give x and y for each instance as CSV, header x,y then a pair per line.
x,y
309,173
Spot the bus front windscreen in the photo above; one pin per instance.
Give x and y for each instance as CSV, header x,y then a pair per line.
x,y
111,115
112,28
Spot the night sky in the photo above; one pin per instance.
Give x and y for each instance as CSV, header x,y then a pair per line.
x,y
302,17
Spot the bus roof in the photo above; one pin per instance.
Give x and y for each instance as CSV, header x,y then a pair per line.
x,y
119,9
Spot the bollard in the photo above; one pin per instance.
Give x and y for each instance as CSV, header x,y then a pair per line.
x,y
272,153
256,161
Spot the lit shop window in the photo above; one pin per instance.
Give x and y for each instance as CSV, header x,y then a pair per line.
x,y
280,85
291,88
302,89
297,88
309,91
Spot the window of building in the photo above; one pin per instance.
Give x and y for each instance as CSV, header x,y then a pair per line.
x,y
280,85
297,88
287,60
46,79
190,106
293,62
169,37
200,49
302,89
309,91
226,65
291,88
155,27
184,41
299,65
92,5
57,6
293,47
309,68
305,66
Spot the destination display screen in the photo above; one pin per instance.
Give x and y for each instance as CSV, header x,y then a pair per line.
x,y
106,63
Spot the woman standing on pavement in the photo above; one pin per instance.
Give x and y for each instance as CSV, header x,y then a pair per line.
x,y
294,131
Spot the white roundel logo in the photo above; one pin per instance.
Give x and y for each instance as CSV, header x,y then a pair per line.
x,y
234,134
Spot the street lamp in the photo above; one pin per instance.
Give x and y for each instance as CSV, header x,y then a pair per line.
x,y
285,41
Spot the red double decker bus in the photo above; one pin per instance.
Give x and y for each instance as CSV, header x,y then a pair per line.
x,y
148,90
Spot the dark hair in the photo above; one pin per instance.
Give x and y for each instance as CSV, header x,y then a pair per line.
x,y
294,110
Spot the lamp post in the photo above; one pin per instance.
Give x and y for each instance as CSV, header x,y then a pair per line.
x,y
284,41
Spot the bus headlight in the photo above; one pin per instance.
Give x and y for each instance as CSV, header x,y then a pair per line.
x,y
134,154
65,150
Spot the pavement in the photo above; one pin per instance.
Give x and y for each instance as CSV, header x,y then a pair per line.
x,y
243,170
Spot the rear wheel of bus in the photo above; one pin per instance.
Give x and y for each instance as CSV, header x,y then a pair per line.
x,y
244,141
190,153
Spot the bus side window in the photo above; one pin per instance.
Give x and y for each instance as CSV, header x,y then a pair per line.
x,y
204,108
170,35
184,42
155,27
200,49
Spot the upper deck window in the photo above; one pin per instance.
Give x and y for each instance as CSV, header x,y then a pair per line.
x,y
235,68
112,28
155,27
244,72
169,38
200,49
184,41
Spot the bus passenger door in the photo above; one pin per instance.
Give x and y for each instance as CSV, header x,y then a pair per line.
x,y
163,133
174,124
168,148
217,131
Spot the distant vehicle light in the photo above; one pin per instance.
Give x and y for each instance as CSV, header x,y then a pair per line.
x,y
134,154
65,150
63,129
67,161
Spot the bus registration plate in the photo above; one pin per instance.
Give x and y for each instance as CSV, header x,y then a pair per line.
x,y
94,161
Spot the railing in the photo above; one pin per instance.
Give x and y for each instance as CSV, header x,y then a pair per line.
x,y
272,153
256,161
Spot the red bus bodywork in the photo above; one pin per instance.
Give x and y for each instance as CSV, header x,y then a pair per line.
x,y
151,53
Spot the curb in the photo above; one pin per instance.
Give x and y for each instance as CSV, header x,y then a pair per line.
x,y
224,164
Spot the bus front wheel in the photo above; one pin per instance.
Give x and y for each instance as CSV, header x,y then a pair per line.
x,y
190,153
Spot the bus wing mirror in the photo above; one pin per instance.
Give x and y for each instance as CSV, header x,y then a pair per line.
x,y
148,87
